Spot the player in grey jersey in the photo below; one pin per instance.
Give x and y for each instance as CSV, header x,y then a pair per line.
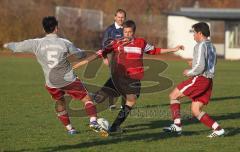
x,y
198,86
51,52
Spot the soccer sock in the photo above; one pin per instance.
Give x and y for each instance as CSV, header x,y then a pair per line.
x,y
122,115
175,110
64,118
208,121
91,110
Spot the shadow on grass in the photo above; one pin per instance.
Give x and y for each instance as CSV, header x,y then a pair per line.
x,y
163,123
212,99
137,132
147,137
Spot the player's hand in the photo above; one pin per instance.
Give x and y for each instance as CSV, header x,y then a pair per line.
x,y
99,53
185,72
5,45
179,47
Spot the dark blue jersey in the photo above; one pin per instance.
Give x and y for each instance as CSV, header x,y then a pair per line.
x,y
112,33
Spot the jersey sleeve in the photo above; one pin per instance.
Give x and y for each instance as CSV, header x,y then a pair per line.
x,y
109,47
23,46
73,50
198,68
150,49
106,36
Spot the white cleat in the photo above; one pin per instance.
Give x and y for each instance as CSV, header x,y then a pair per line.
x,y
216,133
173,129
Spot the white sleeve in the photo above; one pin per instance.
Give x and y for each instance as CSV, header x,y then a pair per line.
x,y
23,46
73,50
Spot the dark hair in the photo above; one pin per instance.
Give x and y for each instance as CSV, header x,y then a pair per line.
x,y
121,11
131,24
49,24
202,27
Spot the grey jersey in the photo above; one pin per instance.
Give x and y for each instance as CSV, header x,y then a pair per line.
x,y
51,52
204,60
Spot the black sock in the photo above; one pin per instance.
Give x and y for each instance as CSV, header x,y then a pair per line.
x,y
123,101
122,115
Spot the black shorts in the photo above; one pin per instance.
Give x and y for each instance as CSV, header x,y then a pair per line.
x,y
121,86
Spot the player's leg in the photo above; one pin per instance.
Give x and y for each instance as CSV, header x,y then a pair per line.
x,y
108,91
92,114
204,118
79,92
175,97
63,115
123,113
58,96
201,97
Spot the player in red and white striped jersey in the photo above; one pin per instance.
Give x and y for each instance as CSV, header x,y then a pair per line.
x,y
127,67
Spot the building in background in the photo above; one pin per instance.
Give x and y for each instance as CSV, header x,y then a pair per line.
x,y
224,23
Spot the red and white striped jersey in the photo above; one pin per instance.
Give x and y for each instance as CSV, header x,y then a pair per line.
x,y
127,59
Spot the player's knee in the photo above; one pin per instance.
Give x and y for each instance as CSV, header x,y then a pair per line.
x,y
86,99
173,96
195,111
60,106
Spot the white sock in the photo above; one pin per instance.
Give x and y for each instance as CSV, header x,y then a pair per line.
x,y
177,121
69,127
93,119
215,126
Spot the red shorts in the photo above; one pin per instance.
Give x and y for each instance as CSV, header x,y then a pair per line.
x,y
198,88
76,90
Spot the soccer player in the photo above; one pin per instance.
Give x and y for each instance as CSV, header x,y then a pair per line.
x,y
127,68
114,31
198,86
51,52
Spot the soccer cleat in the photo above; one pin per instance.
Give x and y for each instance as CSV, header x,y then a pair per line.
x,y
216,133
98,128
174,129
72,131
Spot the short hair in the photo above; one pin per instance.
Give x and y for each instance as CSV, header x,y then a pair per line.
x,y
202,27
131,24
49,24
121,11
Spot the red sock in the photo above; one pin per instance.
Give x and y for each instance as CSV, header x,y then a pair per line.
x,y
90,109
63,117
175,110
208,121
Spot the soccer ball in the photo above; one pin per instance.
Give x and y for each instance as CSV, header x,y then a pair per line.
x,y
103,122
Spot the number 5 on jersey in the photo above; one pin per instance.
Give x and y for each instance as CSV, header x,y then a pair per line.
x,y
52,60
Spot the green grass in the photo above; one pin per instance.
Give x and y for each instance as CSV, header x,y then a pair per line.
x,y
28,121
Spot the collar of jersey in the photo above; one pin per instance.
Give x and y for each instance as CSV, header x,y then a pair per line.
x,y
117,26
51,35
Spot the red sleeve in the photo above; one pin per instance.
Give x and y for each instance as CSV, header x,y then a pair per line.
x,y
154,51
109,48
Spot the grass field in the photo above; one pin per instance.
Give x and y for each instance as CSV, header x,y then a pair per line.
x,y
28,121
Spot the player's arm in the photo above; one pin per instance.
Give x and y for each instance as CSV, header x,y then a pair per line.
x,y
199,67
23,46
106,36
73,50
168,50
150,49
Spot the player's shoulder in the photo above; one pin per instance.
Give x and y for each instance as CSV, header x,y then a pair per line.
x,y
110,28
65,40
205,44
